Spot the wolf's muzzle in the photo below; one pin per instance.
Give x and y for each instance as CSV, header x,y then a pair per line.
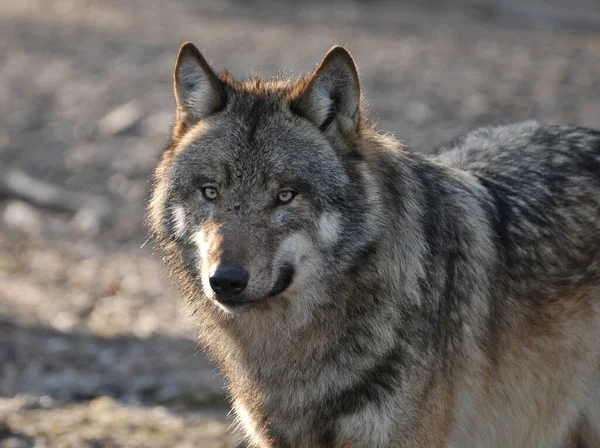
x,y
229,279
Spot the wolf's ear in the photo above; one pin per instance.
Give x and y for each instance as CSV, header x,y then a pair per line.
x,y
332,95
198,92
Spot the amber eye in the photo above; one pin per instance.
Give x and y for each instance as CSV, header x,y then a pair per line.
x,y
210,193
285,196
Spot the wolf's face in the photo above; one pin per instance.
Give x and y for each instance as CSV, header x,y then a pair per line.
x,y
260,186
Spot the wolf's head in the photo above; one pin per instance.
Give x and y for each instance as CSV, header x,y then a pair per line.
x,y
263,191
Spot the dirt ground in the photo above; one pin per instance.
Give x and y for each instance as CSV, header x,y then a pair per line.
x,y
96,349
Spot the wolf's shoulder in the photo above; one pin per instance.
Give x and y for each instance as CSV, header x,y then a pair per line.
x,y
489,138
523,144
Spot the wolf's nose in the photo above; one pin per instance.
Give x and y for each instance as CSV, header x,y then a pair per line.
x,y
228,279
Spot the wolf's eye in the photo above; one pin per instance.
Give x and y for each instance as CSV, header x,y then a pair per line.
x,y
285,196
210,193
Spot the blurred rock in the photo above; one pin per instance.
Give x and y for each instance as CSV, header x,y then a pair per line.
x,y
89,218
102,404
120,120
19,185
158,124
86,222
65,321
22,217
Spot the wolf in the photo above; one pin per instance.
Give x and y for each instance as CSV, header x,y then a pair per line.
x,y
356,293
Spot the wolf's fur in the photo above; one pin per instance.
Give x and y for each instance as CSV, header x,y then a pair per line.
x,y
447,301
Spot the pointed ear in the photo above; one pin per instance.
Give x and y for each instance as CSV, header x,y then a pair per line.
x,y
198,92
332,96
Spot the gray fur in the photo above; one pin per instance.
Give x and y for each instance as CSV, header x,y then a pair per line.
x,y
447,301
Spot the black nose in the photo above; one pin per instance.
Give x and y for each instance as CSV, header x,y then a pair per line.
x,y
229,279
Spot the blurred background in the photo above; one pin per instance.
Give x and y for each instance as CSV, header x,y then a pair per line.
x,y
94,348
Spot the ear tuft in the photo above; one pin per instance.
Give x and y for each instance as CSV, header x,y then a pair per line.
x,y
198,92
333,93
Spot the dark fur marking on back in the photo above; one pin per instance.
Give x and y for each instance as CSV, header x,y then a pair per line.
x,y
500,216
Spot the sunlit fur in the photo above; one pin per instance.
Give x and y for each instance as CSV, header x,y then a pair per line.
x,y
436,301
